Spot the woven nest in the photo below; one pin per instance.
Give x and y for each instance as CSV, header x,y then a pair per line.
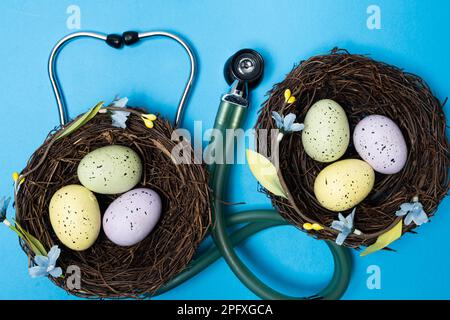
x,y
107,270
362,86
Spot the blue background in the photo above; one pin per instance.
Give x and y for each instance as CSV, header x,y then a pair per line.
x,y
413,35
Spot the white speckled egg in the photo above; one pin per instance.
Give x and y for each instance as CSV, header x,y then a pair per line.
x,y
75,217
132,216
379,141
344,184
110,170
326,134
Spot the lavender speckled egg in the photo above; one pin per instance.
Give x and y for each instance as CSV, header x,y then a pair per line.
x,y
132,216
379,142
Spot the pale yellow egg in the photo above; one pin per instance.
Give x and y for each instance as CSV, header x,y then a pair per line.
x,y
75,217
344,184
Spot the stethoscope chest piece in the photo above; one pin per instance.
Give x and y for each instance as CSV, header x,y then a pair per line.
x,y
246,65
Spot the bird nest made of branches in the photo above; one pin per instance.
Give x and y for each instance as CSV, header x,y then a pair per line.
x,y
109,270
362,86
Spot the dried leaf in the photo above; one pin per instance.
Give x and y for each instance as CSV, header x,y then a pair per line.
x,y
81,121
34,243
385,239
265,172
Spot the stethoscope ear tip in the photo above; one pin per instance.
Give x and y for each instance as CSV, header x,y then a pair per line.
x,y
127,38
130,37
114,40
246,65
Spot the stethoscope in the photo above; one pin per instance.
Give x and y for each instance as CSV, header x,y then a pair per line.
x,y
243,71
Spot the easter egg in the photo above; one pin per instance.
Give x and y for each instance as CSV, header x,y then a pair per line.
x,y
379,141
75,217
326,134
344,184
132,216
110,170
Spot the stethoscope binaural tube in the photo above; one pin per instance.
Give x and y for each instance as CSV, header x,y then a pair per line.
x,y
117,41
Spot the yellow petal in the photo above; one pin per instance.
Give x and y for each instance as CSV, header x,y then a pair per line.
x,y
287,94
265,172
149,116
307,226
148,123
317,227
385,239
16,176
291,100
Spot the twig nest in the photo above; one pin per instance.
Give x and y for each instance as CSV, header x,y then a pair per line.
x,y
362,87
107,269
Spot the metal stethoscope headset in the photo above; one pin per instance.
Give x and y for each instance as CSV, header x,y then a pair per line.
x,y
242,71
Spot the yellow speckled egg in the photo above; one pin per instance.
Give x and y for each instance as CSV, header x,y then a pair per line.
x,y
344,184
326,134
110,170
75,217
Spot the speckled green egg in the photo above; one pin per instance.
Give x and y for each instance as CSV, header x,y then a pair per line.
x,y
326,134
75,217
110,170
344,184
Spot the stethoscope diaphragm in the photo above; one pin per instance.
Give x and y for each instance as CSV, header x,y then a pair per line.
x,y
246,65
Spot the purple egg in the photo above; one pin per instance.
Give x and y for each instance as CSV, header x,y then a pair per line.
x,y
379,142
132,216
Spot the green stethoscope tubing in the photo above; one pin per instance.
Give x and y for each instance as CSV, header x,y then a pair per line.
x,y
259,220
230,116
342,260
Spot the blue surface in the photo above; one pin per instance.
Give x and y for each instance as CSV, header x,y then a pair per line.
x,y
413,35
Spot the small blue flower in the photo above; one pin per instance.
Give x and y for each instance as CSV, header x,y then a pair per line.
x,y
46,265
344,226
287,124
414,213
119,118
120,102
4,203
